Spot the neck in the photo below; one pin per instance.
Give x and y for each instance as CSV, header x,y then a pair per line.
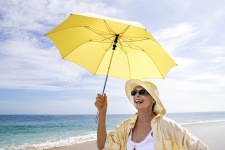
x,y
145,116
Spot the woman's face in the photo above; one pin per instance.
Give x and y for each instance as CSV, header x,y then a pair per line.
x,y
142,101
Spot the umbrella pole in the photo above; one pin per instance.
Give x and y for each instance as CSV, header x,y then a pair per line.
x,y
114,48
106,78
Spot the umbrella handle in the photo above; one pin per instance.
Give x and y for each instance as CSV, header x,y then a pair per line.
x,y
96,118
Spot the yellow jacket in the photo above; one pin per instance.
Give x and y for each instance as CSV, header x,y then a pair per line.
x,y
167,135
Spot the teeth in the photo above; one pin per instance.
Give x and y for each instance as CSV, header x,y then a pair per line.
x,y
138,101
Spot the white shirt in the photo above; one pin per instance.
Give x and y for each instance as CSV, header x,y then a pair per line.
x,y
146,144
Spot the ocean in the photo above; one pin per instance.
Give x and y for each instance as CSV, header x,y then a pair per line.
x,y
29,132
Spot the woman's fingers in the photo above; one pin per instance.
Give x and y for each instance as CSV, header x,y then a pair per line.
x,y
98,104
100,100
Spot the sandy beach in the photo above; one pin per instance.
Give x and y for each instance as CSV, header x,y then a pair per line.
x,y
211,133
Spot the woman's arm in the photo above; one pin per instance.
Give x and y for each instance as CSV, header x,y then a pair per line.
x,y
101,104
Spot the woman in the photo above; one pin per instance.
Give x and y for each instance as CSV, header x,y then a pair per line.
x,y
148,129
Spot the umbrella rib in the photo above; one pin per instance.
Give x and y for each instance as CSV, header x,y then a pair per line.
x,y
137,48
157,67
125,42
129,45
108,27
128,62
101,34
99,63
97,31
131,39
129,42
125,29
132,45
123,49
75,48
111,31
65,29
104,38
93,30
148,56
152,60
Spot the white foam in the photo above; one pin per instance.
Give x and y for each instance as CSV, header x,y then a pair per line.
x,y
53,143
201,122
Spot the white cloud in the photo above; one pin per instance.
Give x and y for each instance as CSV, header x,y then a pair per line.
x,y
190,95
36,15
24,66
177,36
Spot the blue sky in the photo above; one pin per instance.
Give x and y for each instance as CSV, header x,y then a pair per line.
x,y
34,79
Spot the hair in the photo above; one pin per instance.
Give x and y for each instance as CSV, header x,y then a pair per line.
x,y
153,108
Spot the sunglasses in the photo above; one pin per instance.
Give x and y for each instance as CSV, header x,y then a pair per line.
x,y
141,92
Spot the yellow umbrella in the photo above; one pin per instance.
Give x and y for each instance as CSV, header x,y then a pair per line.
x,y
111,47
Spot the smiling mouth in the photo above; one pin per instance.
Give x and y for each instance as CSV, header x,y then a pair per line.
x,y
138,101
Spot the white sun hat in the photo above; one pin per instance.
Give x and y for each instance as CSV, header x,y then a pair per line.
x,y
152,90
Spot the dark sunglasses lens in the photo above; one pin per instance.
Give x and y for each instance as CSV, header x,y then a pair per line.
x,y
142,92
133,93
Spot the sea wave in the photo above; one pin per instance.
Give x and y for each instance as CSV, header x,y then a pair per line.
x,y
203,122
52,143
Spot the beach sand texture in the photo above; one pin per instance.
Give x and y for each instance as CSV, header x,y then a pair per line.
x,y
211,133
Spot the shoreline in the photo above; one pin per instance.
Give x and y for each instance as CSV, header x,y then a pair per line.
x,y
82,146
210,133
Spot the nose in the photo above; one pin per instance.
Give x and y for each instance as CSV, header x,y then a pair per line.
x,y
137,94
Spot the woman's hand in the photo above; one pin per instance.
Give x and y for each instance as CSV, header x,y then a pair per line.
x,y
101,103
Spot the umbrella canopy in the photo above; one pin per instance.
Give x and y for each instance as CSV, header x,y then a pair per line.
x,y
112,47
